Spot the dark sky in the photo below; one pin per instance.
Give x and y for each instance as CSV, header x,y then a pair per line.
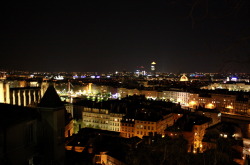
x,y
120,35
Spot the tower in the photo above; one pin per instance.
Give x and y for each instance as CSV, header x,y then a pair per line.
x,y
153,68
52,125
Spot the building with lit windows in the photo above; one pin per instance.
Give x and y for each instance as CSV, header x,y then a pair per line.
x,y
143,126
150,94
153,68
124,92
101,119
221,100
242,106
127,127
230,86
192,128
18,93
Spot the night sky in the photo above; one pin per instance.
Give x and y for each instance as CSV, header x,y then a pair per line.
x,y
105,36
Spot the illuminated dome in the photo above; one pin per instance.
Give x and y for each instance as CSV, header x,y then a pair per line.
x,y
153,63
184,78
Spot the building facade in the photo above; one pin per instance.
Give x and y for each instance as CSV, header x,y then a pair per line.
x,y
131,127
101,119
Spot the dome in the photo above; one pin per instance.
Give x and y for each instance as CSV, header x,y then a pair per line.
x,y
183,78
153,63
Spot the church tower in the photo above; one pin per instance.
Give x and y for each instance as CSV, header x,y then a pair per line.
x,y
52,127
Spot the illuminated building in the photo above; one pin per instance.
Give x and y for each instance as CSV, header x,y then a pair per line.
x,y
180,97
193,100
242,106
230,86
124,92
191,127
199,132
4,93
69,124
25,96
58,77
22,96
224,102
105,158
2,75
127,127
183,78
153,68
90,88
150,94
246,147
140,71
220,101
101,119
131,127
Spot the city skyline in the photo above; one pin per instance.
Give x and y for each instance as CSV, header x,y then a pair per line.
x,y
109,36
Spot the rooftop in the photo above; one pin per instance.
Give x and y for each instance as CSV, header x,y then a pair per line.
x,y
13,114
50,99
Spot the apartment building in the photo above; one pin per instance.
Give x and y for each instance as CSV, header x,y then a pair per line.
x,y
192,128
141,126
101,119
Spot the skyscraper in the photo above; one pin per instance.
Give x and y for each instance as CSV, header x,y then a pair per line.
x,y
153,68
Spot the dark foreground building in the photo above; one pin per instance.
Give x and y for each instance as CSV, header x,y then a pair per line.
x,y
33,135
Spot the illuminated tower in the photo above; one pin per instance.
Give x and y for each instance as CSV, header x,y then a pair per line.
x,y
90,88
153,69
